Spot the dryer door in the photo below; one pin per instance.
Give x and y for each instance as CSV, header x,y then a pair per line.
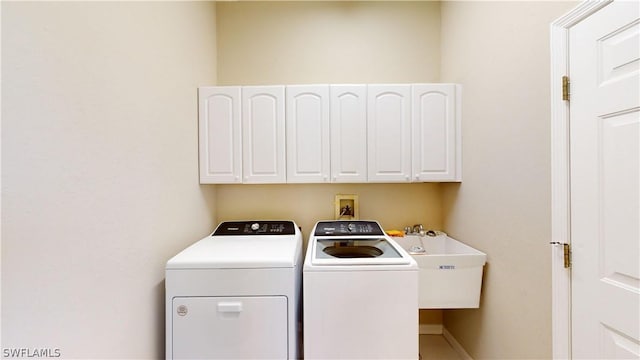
x,y
250,327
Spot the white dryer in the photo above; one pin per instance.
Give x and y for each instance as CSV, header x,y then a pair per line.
x,y
360,294
236,294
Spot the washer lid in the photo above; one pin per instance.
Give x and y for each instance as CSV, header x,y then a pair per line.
x,y
240,252
357,250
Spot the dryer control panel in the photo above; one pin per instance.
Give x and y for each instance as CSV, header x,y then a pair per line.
x,y
342,228
257,227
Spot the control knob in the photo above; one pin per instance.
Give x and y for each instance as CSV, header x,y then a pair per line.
x,y
255,226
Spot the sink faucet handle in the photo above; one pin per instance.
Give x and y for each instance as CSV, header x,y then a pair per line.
x,y
418,229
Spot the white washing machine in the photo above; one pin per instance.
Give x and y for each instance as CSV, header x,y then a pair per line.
x,y
360,294
236,294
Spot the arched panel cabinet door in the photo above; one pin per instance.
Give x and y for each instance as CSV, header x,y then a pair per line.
x,y
263,134
436,145
307,119
389,133
220,137
349,133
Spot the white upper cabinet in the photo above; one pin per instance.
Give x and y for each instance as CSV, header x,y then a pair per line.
x,y
348,133
389,133
307,119
220,142
436,132
263,134
330,133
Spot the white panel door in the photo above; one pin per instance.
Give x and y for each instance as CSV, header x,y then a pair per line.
x,y
605,183
229,328
348,133
389,133
220,144
307,119
436,132
263,134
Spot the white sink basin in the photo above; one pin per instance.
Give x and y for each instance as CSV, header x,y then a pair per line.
x,y
450,271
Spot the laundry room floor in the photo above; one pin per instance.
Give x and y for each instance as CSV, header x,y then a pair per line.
x,y
436,347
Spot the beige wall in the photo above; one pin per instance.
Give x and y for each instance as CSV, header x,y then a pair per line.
x,y
329,42
99,169
395,206
499,51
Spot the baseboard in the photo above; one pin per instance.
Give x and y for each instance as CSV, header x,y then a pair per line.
x,y
430,329
456,345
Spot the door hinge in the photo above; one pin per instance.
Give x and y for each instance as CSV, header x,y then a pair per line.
x,y
565,88
567,253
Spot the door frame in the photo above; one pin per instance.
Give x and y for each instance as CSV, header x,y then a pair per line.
x,y
560,176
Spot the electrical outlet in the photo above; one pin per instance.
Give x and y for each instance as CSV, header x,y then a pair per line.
x,y
346,207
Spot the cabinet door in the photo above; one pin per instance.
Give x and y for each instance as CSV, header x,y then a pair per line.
x,y
348,133
307,119
219,135
436,132
389,133
229,328
263,134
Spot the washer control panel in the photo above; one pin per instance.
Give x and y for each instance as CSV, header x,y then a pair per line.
x,y
342,228
257,227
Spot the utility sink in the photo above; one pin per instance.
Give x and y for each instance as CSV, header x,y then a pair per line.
x,y
450,271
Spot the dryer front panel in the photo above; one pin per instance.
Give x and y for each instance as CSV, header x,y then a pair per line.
x,y
249,327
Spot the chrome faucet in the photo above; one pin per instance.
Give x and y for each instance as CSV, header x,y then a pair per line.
x,y
417,229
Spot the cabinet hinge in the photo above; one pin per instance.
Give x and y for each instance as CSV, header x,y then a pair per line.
x,y
565,88
567,253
